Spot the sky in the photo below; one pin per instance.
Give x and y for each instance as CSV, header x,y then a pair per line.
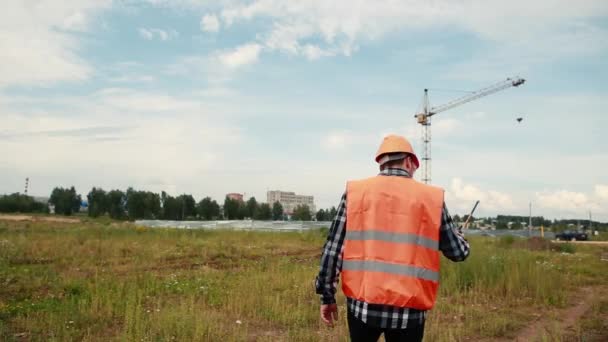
x,y
211,97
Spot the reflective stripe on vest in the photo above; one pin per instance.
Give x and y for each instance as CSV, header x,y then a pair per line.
x,y
391,245
377,266
393,237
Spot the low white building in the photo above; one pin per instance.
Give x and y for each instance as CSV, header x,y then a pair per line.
x,y
290,200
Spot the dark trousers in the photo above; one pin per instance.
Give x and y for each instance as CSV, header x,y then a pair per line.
x,y
361,332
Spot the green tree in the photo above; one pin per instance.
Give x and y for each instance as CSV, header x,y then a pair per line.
x,y
98,202
208,209
333,212
231,208
320,215
66,201
17,202
501,225
242,211
143,204
135,204
116,204
152,205
188,206
277,211
252,207
215,210
302,213
264,212
171,207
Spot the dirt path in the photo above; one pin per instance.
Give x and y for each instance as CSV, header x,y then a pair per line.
x,y
568,317
38,218
600,243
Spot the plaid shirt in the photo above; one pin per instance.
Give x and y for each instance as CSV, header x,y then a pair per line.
x,y
451,243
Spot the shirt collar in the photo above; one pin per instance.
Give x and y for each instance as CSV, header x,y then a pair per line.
x,y
395,172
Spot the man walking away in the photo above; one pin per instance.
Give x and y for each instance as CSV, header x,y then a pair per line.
x,y
385,242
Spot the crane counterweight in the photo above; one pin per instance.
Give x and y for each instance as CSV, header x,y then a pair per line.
x,y
518,82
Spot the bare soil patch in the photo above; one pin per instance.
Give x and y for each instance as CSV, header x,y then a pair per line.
x,y
38,218
597,243
568,317
15,217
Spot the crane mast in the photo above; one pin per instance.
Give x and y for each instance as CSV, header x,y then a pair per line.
x,y
424,118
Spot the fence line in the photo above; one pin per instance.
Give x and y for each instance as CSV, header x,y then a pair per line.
x,y
237,224
298,226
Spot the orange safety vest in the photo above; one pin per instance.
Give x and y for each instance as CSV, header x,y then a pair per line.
x,y
391,248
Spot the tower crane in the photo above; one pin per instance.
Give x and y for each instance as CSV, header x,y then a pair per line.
x,y
424,118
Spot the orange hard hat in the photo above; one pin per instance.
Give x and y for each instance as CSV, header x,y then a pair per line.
x,y
396,144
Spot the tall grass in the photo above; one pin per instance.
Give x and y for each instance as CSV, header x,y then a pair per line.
x,y
106,281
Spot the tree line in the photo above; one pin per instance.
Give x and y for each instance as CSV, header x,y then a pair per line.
x,y
18,203
134,204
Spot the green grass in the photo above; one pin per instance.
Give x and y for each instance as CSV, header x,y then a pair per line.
x,y
101,280
603,236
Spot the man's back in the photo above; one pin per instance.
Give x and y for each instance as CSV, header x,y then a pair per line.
x,y
391,252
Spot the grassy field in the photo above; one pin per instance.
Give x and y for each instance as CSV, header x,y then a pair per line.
x,y
100,280
603,236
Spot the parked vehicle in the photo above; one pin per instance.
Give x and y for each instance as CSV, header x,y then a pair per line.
x,y
571,236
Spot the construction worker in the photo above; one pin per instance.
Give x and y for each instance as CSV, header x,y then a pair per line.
x,y
385,242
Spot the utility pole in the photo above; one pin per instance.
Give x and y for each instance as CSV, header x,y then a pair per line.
x,y
183,197
530,221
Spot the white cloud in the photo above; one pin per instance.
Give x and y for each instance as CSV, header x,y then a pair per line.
x,y
524,35
188,65
341,24
240,56
522,55
76,22
132,79
355,141
210,23
35,47
337,140
447,126
135,147
475,115
313,52
601,191
152,33
135,101
145,33
465,194
569,201
211,68
217,68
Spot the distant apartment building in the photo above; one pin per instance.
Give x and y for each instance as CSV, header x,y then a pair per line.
x,y
235,196
289,200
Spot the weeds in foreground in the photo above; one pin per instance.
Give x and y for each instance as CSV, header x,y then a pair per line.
x,y
100,281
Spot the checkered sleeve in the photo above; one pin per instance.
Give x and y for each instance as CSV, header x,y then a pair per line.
x,y
331,259
451,241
